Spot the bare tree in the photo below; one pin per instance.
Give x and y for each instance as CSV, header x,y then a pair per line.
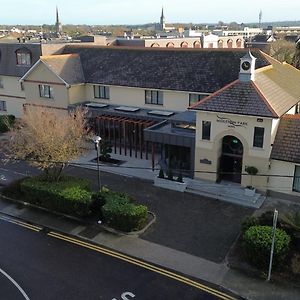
x,y
282,50
296,58
48,139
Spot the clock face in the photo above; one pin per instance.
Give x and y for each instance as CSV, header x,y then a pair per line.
x,y
246,65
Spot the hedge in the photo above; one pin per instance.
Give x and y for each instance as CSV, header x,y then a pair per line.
x,y
120,213
70,195
6,121
257,246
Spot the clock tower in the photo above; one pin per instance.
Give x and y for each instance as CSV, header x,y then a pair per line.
x,y
247,67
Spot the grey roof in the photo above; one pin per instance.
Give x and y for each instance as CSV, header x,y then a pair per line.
x,y
286,146
8,62
204,70
238,97
186,117
67,67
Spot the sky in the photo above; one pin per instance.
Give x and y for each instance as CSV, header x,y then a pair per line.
x,y
105,12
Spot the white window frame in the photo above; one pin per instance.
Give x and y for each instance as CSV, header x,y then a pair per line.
x,y
23,58
154,97
46,91
101,92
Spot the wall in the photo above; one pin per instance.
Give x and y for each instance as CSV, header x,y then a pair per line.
x,y
77,94
282,184
32,82
174,101
211,150
12,94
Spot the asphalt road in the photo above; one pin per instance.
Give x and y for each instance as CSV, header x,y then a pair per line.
x,y
189,223
48,266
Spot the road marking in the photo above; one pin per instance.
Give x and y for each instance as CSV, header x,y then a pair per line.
x,y
22,224
15,284
144,265
14,172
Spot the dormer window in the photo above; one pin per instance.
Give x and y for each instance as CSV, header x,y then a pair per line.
x,y
23,57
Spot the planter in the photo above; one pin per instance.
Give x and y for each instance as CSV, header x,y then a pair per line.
x,y
249,192
170,184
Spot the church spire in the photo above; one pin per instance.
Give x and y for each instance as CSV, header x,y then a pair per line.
x,y
162,20
57,18
162,13
58,25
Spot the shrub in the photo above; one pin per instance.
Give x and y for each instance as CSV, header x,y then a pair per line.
x,y
120,213
249,222
161,173
257,245
70,195
6,122
98,200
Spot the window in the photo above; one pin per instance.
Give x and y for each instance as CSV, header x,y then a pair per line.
x,y
3,106
296,183
206,126
1,83
23,57
194,98
46,91
101,92
258,140
154,97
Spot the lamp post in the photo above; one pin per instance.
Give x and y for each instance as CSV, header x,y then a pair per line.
x,y
97,140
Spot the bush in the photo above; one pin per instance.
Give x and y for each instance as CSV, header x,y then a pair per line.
x,y
120,213
249,222
70,195
98,200
257,245
6,122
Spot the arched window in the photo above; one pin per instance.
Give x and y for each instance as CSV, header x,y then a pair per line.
x,y
220,44
154,45
184,45
23,57
197,44
170,45
229,43
238,43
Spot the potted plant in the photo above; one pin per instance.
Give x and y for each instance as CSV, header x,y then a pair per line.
x,y
252,171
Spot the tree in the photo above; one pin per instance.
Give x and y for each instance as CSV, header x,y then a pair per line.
x,y
296,57
48,139
282,50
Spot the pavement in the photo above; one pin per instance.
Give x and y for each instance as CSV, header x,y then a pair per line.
x,y
172,242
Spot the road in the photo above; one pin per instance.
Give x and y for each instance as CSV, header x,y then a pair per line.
x,y
47,265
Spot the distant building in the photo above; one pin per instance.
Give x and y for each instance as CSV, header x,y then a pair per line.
x,y
247,32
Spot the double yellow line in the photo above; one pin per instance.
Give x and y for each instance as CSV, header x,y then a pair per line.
x,y
144,265
20,223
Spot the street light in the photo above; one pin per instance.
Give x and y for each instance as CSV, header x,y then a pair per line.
x,y
96,141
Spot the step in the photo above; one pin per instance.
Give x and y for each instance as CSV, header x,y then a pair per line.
x,y
255,202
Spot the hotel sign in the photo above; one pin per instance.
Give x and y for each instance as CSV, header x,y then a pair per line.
x,y
231,123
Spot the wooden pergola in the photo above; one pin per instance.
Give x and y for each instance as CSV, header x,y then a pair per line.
x,y
125,134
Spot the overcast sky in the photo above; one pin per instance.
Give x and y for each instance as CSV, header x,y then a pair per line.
x,y
147,11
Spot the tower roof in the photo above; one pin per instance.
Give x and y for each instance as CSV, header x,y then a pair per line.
x,y
162,13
